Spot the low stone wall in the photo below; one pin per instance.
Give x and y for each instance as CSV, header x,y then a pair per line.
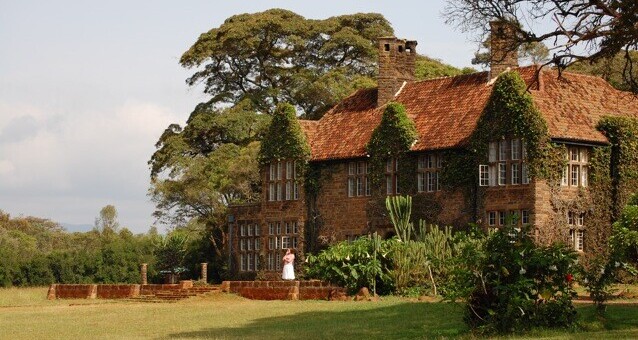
x,y
117,291
72,292
110,291
282,290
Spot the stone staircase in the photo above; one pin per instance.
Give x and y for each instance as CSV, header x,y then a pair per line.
x,y
174,295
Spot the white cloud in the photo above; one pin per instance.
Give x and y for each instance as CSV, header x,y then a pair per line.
x,y
98,157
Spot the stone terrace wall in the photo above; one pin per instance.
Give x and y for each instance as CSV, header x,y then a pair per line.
x,y
281,290
106,291
117,291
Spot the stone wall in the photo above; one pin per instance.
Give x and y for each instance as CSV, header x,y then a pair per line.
x,y
109,291
281,290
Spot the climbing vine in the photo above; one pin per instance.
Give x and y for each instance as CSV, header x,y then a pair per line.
x,y
391,139
509,113
284,138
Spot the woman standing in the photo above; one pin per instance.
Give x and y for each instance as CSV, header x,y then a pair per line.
x,y
289,271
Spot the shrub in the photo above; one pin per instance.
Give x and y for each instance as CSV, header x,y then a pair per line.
x,y
520,285
353,265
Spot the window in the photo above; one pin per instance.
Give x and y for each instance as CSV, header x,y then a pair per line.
x,y
525,174
525,217
516,149
575,173
507,164
484,175
428,172
392,177
501,218
502,173
577,237
515,174
286,234
282,181
502,150
492,218
358,181
249,244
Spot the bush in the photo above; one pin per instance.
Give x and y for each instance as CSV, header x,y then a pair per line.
x,y
353,265
520,285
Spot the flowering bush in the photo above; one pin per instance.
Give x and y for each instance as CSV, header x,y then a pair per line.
x,y
519,285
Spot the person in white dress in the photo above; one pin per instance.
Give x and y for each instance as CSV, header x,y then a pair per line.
x,y
289,271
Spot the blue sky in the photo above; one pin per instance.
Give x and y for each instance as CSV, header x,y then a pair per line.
x,y
86,88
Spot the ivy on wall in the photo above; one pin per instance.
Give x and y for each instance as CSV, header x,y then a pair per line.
x,y
284,138
392,138
509,113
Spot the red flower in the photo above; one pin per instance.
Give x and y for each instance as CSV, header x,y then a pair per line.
x,y
569,278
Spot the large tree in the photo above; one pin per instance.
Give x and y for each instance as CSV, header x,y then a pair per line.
x,y
574,30
278,56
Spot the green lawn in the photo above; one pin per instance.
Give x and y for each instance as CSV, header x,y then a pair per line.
x,y
26,314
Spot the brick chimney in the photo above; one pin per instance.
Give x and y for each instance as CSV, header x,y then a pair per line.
x,y
396,65
503,47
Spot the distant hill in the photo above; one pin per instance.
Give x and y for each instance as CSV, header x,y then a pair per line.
x,y
77,227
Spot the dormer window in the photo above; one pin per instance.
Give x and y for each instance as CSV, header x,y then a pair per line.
x,y
282,181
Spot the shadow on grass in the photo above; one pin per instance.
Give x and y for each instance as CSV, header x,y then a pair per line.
x,y
405,320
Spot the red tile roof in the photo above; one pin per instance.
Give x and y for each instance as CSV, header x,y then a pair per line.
x,y
446,110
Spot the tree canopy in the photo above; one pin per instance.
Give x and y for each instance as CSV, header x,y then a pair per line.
x,y
576,30
279,56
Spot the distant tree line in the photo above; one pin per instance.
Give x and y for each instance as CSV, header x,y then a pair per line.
x,y
36,251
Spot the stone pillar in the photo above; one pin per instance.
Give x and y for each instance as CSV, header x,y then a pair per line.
x,y
204,275
143,271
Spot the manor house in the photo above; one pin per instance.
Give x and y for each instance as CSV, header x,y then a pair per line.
x,y
446,112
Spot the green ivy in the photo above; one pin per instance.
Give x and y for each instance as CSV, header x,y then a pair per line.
x,y
284,138
509,113
393,138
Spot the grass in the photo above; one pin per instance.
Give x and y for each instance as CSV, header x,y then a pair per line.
x,y
26,314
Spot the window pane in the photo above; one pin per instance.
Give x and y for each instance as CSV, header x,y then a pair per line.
x,y
388,184
288,190
492,152
288,170
502,173
359,186
502,150
273,172
421,162
368,186
575,175
351,187
296,190
565,179
279,191
279,170
351,168
360,168
388,165
583,155
584,180
484,175
431,161
516,150
515,174
439,161
271,192
574,154
525,174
